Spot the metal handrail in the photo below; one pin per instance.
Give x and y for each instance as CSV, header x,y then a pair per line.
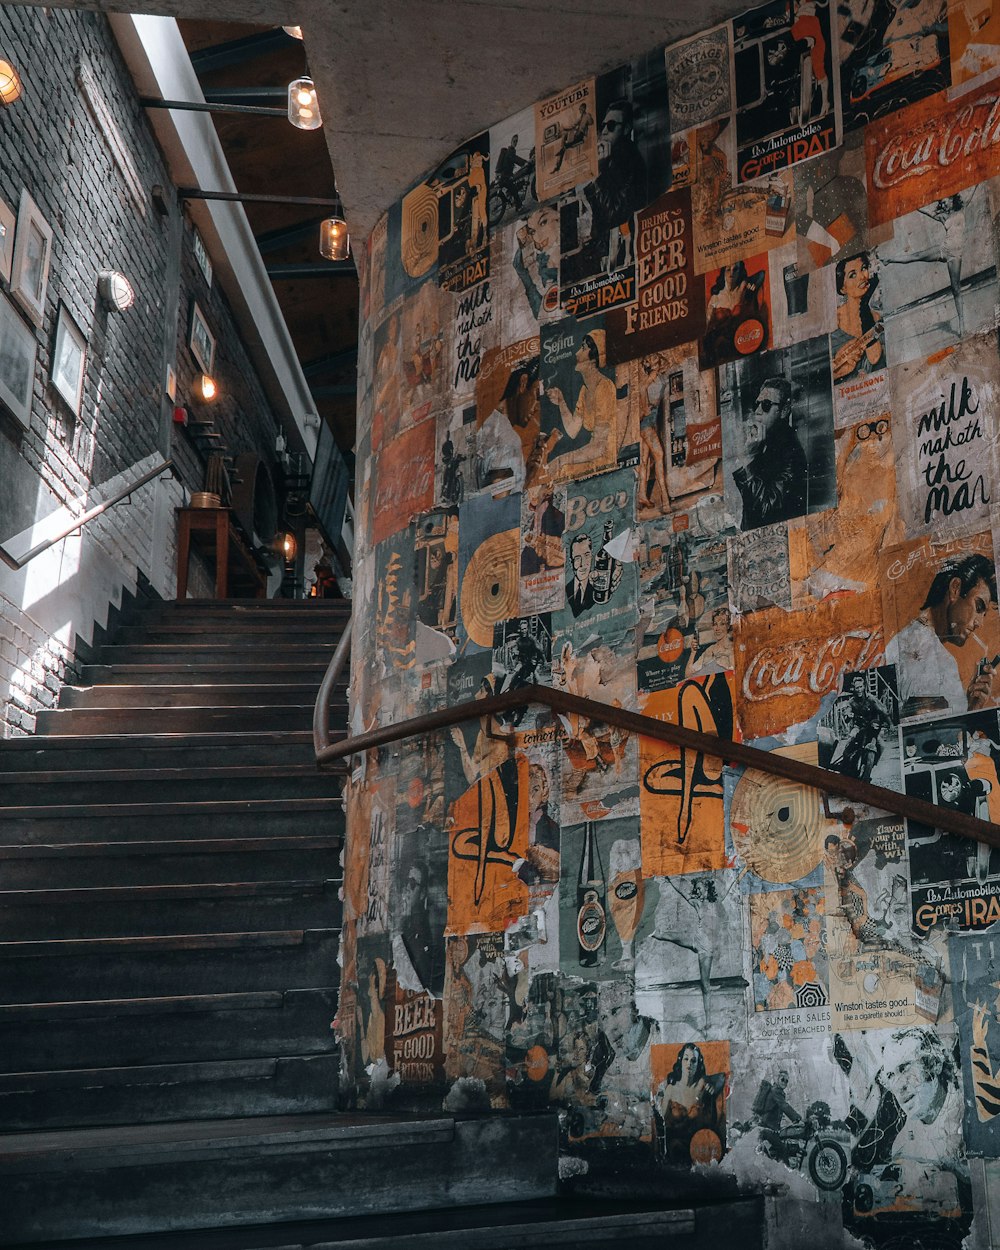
x,y
18,562
321,719
561,701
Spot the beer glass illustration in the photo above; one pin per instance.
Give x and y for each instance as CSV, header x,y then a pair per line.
x,y
627,895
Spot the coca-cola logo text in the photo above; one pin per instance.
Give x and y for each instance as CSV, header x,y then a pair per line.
x,y
782,671
974,128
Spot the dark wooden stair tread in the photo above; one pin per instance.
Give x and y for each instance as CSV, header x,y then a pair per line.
x,y
248,1000
151,893
207,808
84,947
179,846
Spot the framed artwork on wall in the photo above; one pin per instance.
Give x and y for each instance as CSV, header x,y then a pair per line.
x,y
201,256
202,340
32,256
17,362
69,359
7,223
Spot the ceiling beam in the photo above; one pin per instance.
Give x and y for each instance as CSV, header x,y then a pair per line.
x,y
329,364
239,51
313,269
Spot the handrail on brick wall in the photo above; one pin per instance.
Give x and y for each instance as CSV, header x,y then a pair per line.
x,y
564,703
18,562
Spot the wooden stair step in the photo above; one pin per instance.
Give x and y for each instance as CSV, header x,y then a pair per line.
x,y
248,607
134,1094
110,751
218,650
161,910
179,820
217,672
180,1028
174,719
192,694
21,790
146,967
270,625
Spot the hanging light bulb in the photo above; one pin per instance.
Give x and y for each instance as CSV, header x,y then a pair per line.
x,y
207,387
303,107
10,83
294,31
334,240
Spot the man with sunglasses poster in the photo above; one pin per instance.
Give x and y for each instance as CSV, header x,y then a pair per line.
x,y
772,475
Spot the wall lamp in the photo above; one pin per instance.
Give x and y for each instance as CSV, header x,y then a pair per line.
x,y
206,387
294,31
10,83
115,290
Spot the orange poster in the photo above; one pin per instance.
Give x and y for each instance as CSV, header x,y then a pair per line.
x,y
404,483
680,795
488,835
930,150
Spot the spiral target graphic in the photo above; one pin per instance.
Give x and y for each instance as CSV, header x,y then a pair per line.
x,y
490,587
419,231
777,826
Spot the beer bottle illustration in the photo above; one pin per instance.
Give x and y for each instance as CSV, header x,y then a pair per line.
x,y
600,578
591,921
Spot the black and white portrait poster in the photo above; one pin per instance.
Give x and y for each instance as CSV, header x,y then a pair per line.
x,y
777,434
784,86
698,79
944,436
512,165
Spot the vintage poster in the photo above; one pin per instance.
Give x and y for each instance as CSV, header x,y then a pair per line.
x,y
890,56
565,140
788,965
525,274
857,344
674,404
831,207
931,150
488,832
435,548
879,976
522,655
953,763
543,557
422,382
419,904
787,661
597,219
581,426
776,827
444,222
689,969
684,607
455,456
940,285
690,1085
802,303
600,767
669,300
372,991
512,189
905,1121
481,994
681,795
373,287
404,480
698,79
474,326
759,569
784,86
940,623
604,905
857,732
974,42
507,416
597,536
388,357
777,434
489,584
737,312
975,963
731,220
944,438
395,605
413,1036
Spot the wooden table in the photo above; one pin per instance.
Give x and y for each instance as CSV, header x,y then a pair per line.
x,y
212,533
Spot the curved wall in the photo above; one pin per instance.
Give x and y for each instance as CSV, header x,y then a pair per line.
x,y
679,394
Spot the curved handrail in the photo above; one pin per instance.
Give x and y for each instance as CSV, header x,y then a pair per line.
x,y
321,719
18,562
561,701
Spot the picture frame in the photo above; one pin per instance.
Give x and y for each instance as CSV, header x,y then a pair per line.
x,y
18,349
8,222
69,360
202,340
202,257
29,279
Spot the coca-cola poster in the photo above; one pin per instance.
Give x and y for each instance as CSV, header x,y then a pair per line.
x,y
669,300
777,434
737,311
787,661
681,799
890,55
944,435
938,276
785,86
605,904
931,149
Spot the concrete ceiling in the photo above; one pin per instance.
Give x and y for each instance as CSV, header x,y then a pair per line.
x,y
403,82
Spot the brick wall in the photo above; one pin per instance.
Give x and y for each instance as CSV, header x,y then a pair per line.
x,y
55,143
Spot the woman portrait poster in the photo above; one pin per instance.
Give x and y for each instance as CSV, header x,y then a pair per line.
x,y
690,1083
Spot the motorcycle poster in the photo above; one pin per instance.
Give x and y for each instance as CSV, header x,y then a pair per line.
x,y
512,190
